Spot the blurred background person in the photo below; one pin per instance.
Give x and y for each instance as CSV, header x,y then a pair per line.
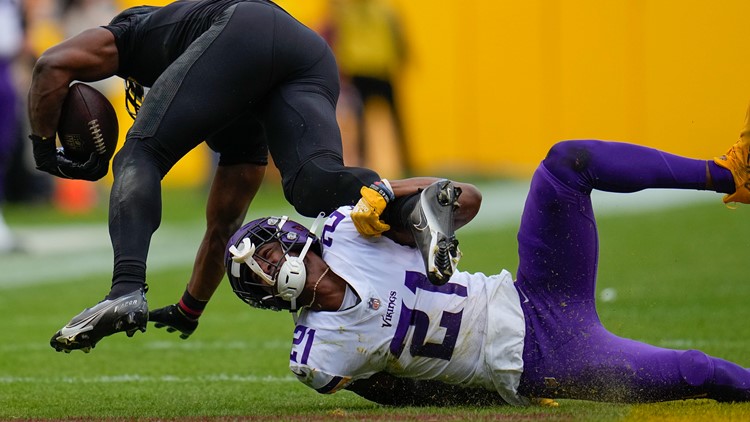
x,y
77,15
11,45
370,49
44,23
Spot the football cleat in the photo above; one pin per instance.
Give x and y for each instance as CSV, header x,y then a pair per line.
x,y
431,223
737,160
128,313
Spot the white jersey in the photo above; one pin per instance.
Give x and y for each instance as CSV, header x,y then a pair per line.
x,y
469,331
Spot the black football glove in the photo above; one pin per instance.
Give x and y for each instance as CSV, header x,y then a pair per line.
x,y
174,319
54,161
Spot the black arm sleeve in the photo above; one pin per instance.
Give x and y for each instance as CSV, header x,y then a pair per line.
x,y
385,389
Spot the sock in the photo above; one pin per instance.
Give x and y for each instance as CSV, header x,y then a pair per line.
x,y
397,212
123,288
127,278
723,181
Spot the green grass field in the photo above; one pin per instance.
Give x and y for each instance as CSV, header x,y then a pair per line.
x,y
678,274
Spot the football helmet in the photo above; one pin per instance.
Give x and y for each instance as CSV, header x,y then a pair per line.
x,y
285,278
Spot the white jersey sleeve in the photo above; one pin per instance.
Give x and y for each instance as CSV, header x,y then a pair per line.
x,y
404,325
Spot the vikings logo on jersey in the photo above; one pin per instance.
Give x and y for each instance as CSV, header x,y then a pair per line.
x,y
388,317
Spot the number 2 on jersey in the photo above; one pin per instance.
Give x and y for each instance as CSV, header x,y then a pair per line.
x,y
420,346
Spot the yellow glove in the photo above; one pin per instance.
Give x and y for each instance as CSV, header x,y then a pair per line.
x,y
366,214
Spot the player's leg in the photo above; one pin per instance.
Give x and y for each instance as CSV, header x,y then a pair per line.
x,y
305,143
558,240
587,165
597,365
558,243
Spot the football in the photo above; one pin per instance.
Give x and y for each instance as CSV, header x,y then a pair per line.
x,y
88,123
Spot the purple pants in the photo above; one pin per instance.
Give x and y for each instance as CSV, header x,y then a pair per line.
x,y
567,351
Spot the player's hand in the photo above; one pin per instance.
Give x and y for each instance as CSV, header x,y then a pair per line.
x,y
92,170
45,154
366,214
173,319
52,160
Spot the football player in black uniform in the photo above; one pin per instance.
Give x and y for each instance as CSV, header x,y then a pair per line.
x,y
247,78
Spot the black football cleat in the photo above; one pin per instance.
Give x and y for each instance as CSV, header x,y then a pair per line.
x,y
128,313
431,223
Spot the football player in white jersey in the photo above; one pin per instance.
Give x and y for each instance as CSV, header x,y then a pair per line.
x,y
371,322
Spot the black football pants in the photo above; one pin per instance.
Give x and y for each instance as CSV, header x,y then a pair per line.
x,y
256,60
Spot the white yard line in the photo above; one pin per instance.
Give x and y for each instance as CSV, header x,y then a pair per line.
x,y
192,345
128,378
62,254
57,254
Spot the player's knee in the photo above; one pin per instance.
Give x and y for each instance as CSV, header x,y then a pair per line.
x,y
324,183
696,367
307,206
568,156
138,153
122,157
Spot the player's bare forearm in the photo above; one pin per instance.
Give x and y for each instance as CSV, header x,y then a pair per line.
x,y
232,190
89,56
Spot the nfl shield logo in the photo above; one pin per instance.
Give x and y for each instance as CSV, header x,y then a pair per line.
x,y
374,303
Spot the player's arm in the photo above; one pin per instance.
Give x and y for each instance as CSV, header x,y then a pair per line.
x,y
90,56
232,190
385,389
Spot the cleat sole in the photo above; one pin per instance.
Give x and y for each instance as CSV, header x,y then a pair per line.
x,y
432,227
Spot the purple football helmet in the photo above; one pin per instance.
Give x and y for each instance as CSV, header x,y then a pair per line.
x,y
248,281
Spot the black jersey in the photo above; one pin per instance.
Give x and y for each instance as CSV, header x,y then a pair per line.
x,y
150,38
